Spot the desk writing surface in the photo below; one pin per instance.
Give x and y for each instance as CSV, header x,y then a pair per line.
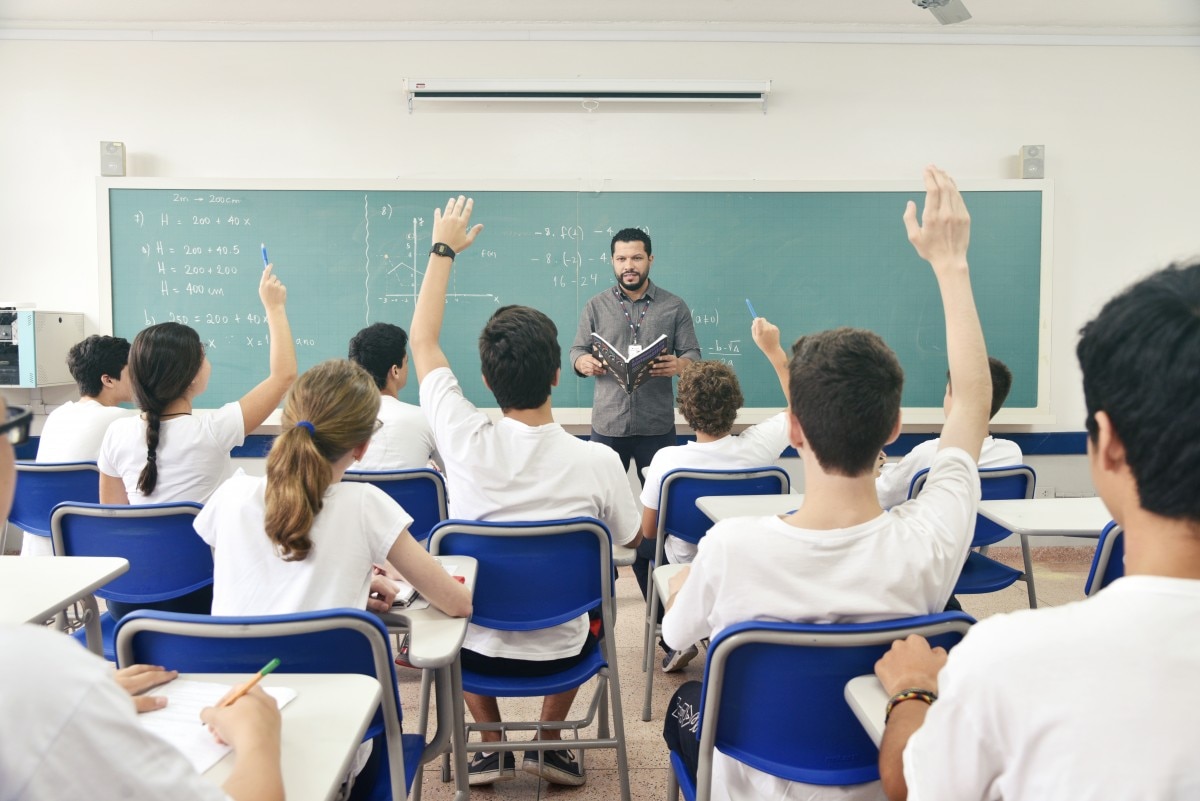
x,y
34,588
720,507
1064,517
810,257
868,701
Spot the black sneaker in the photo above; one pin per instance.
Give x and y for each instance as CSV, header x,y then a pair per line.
x,y
557,767
486,769
677,660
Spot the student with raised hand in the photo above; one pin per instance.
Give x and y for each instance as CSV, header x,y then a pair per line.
x,y
169,454
709,398
301,539
840,558
404,440
1095,699
512,470
70,727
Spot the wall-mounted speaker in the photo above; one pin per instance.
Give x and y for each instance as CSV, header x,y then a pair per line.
x,y
1032,160
112,158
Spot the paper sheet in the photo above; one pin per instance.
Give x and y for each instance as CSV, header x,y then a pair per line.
x,y
179,721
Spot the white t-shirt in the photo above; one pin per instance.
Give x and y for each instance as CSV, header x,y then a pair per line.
x,y
1093,700
356,527
757,446
902,563
70,731
404,442
193,454
508,471
895,477
73,432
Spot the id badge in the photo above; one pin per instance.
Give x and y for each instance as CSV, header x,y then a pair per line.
x,y
634,350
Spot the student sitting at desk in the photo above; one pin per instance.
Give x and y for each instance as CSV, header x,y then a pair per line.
x,y
709,398
513,470
73,432
71,731
1096,699
405,439
300,538
894,478
839,558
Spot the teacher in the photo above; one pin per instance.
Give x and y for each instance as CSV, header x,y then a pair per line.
x,y
632,315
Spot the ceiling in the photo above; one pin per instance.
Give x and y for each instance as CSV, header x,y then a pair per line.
x,y
510,18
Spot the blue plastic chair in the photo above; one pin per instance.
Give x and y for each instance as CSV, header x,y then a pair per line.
x,y
773,698
981,574
533,576
679,516
1108,564
421,491
43,485
167,558
326,641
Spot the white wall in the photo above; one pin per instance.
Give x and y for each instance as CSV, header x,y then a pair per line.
x,y
1119,123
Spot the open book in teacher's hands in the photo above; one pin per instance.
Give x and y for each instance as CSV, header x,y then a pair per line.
x,y
629,371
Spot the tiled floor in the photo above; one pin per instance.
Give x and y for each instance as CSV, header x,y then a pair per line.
x,y
1059,578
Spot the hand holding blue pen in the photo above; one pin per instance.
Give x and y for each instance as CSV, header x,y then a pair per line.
x,y
266,262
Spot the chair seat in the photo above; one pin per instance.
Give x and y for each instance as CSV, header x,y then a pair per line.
x,y
525,687
107,627
981,574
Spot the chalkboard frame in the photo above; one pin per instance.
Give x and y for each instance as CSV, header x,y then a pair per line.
x,y
1039,414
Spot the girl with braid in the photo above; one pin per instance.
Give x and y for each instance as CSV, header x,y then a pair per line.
x,y
301,539
168,454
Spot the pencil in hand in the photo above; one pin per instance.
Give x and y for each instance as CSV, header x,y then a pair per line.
x,y
242,689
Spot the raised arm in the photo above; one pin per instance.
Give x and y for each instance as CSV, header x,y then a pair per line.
x,y
452,228
259,402
941,239
766,336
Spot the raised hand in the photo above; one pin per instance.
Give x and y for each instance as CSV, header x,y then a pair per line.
x,y
453,225
944,232
271,290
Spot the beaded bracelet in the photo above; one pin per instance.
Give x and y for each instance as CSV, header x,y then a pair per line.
x,y
908,695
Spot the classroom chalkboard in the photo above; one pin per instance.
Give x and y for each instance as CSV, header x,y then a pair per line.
x,y
808,259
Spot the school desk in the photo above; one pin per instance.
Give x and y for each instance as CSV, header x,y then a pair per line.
x,y
34,589
867,699
1045,517
720,507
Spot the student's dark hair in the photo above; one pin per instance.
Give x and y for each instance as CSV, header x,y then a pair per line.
x,y
1001,383
845,388
377,347
94,358
163,361
340,401
1140,359
519,354
709,397
630,235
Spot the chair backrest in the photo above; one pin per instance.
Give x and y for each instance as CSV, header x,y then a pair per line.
x,y
997,484
166,556
1108,564
325,641
677,511
774,695
421,491
532,575
43,485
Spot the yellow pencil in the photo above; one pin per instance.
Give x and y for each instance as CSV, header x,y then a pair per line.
x,y
248,686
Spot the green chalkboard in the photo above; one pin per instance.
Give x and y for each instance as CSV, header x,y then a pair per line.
x,y
807,259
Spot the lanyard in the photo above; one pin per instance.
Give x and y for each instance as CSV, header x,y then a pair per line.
x,y
620,296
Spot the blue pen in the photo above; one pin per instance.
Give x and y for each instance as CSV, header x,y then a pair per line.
x,y
265,262
749,306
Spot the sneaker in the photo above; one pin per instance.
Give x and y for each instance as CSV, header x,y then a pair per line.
x,y
556,767
677,660
486,769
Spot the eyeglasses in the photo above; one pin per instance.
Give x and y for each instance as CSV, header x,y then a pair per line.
x,y
16,428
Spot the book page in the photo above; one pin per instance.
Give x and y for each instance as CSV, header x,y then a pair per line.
x,y
179,721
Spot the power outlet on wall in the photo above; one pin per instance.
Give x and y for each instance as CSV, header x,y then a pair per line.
x,y
1044,492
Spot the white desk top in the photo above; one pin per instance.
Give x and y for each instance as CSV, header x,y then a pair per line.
x,y
662,581
866,697
720,507
322,728
1064,517
35,588
435,636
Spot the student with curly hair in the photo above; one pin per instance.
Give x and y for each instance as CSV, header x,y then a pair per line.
x,y
709,398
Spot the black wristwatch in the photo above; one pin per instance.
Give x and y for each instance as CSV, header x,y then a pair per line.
x,y
441,249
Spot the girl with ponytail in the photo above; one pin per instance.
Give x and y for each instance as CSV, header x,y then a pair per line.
x,y
301,539
168,454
